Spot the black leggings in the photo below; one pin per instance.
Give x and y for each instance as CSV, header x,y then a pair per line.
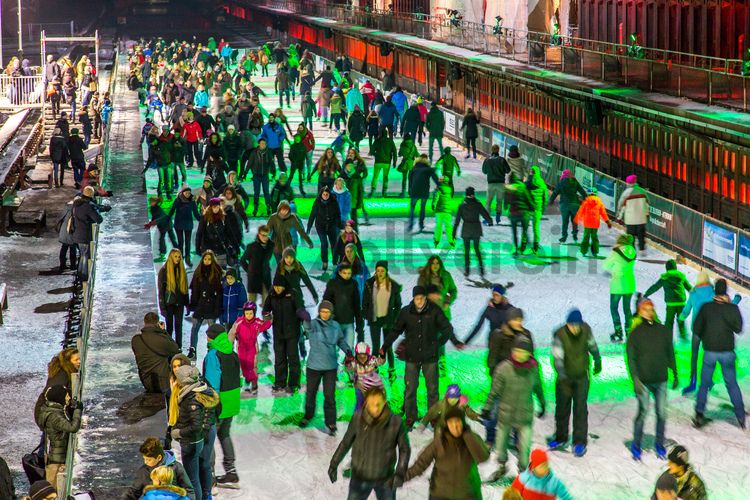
x,y
327,236
471,145
467,252
183,243
173,317
377,328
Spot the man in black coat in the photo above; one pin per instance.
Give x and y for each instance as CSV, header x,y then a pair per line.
x,y
85,214
419,188
326,215
343,292
469,212
571,193
154,349
650,354
496,169
260,163
716,325
256,261
76,148
374,435
425,328
58,152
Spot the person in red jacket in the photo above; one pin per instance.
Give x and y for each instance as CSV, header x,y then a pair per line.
x,y
192,133
308,140
590,213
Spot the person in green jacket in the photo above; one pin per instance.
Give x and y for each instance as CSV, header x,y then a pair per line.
x,y
297,156
221,369
539,195
384,151
675,284
408,152
354,174
441,201
620,263
447,164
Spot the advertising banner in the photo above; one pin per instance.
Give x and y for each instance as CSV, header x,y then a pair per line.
x,y
509,141
585,176
450,124
607,188
499,139
719,244
660,218
548,166
743,261
687,230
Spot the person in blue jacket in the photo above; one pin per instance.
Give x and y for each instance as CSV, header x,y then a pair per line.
x,y
343,198
325,336
234,297
399,100
185,211
701,294
275,135
388,114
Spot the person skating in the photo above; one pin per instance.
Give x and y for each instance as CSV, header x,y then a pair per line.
x,y
363,370
381,303
154,455
495,313
572,344
347,236
356,125
205,297
689,485
340,144
282,190
408,153
59,416
435,123
256,261
633,209
163,223
343,293
380,449
716,325
590,214
192,133
384,151
233,297
343,199
620,264
184,210
571,193
153,349
650,354
360,273
325,336
515,382
425,328
470,124
245,331
520,209
172,291
455,451
354,174
539,194
287,317
448,165
204,193
214,234
281,224
496,168
441,207
260,164
469,212
419,189
297,158
517,164
221,369
326,216
436,414
328,170
538,482
675,284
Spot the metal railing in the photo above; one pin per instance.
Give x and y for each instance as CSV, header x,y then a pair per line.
x,y
698,77
65,479
22,91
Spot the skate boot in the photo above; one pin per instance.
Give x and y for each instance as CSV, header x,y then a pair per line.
x,y
700,421
535,248
554,445
522,248
661,452
498,474
563,239
228,480
332,430
579,450
636,452
497,219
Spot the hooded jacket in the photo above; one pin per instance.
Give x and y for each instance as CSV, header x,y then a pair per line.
x,y
633,206
675,284
518,167
470,211
153,349
197,409
164,492
621,265
591,212
374,443
221,369
500,344
419,179
184,211
569,190
256,261
274,134
234,296
514,385
53,419
537,190
455,474
344,201
518,199
143,478
325,337
435,122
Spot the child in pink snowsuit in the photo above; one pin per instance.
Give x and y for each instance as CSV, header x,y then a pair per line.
x,y
246,330
364,367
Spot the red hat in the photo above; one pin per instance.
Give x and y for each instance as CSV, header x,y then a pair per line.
x,y
538,457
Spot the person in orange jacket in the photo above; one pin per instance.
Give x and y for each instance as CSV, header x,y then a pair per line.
x,y
591,213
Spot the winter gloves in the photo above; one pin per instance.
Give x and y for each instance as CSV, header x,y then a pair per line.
x,y
597,366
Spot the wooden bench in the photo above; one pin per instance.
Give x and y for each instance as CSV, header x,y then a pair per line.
x,y
3,300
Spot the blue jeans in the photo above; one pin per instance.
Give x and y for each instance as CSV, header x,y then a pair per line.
x,y
191,455
614,305
728,361
197,323
412,207
349,334
78,167
59,170
659,392
204,463
360,490
260,182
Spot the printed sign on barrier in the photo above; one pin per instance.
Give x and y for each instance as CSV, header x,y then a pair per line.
x,y
585,176
660,218
607,191
450,123
719,244
743,261
499,139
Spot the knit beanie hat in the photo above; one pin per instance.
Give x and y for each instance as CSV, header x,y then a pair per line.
x,y
231,272
289,251
679,455
213,202
41,490
418,290
499,289
208,179
566,174
470,191
631,179
720,287
514,313
215,330
513,152
523,342
453,391
326,304
56,394
187,374
537,457
574,317
671,265
382,263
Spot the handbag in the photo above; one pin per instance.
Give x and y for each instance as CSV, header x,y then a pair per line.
x,y
33,463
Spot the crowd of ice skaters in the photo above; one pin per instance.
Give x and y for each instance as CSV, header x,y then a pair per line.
x,y
253,293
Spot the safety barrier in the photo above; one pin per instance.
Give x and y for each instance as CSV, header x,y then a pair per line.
x,y
22,91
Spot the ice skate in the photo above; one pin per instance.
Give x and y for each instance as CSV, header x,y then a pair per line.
x,y
229,480
498,474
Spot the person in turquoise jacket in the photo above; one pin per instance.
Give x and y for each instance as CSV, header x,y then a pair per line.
x,y
326,335
675,284
221,369
200,100
701,294
538,481
620,263
539,195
